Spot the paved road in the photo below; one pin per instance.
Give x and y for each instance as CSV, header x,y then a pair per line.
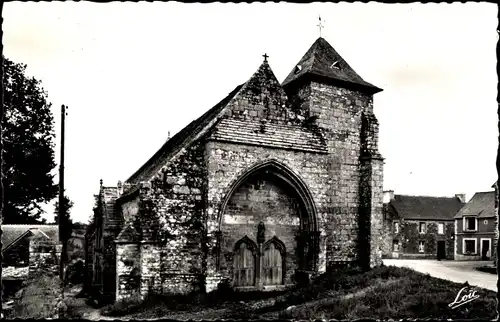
x,y
456,271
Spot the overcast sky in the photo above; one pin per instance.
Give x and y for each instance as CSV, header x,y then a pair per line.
x,y
131,72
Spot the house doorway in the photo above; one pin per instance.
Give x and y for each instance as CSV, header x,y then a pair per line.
x,y
441,249
485,249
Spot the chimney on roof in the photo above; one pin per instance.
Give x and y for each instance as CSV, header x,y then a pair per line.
x,y
388,196
461,197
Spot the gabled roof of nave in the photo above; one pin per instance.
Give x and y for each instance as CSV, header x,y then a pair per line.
x,y
204,123
320,61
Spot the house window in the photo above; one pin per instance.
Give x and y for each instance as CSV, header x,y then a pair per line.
x,y
421,227
440,228
470,223
395,245
469,246
396,227
421,246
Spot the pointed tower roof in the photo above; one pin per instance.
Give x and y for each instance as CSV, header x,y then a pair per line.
x,y
322,62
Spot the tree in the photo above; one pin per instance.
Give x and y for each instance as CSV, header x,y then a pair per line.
x,y
68,204
67,223
28,148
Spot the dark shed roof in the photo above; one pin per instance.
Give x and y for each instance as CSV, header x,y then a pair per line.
x,y
13,233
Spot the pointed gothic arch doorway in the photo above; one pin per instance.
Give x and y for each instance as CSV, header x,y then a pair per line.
x,y
267,223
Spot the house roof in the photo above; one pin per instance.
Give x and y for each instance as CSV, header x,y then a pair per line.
x,y
320,62
482,205
180,140
13,233
426,207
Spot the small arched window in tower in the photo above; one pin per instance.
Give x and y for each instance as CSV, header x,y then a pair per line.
x,y
335,65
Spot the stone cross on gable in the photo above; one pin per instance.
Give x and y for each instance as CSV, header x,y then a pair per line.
x,y
265,57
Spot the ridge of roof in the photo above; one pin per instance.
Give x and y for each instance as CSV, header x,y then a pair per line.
x,y
318,63
181,138
425,196
426,207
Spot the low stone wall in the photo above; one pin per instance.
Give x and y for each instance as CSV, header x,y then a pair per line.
x,y
12,272
179,283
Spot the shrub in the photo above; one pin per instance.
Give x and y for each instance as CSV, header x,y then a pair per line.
x,y
123,307
74,272
39,297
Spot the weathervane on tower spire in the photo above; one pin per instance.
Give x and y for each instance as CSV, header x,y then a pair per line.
x,y
320,25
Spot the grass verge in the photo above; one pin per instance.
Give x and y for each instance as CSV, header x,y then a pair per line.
x,y
39,297
381,293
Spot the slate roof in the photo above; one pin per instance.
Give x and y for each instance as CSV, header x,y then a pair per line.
x,y
181,139
425,207
318,61
274,135
482,205
13,233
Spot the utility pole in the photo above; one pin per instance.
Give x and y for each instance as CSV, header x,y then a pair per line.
x,y
62,205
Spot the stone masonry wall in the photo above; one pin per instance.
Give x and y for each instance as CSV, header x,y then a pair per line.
x,y
338,112
410,237
128,266
329,189
261,200
171,211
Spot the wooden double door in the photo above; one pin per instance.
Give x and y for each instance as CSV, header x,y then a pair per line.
x,y
258,265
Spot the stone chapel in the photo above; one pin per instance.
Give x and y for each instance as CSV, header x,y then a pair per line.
x,y
273,185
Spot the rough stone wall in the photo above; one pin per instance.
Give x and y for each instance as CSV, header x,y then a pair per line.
x,y
227,162
13,272
130,209
128,268
388,233
339,113
171,210
261,200
261,99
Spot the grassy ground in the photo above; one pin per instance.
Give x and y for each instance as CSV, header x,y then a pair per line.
x,y
38,298
384,292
